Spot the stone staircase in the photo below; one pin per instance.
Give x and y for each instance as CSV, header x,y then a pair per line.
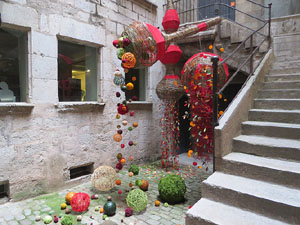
x,y
258,183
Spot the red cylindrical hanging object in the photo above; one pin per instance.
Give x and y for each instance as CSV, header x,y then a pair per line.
x,y
172,55
171,21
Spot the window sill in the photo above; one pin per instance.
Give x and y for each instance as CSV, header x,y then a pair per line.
x,y
140,105
79,106
15,108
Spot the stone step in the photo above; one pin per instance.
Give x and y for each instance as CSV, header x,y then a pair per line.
x,y
277,171
267,146
279,93
282,77
271,129
288,104
286,64
281,85
207,212
293,70
275,115
271,200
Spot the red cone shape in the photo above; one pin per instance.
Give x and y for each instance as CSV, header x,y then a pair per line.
x,y
172,55
171,20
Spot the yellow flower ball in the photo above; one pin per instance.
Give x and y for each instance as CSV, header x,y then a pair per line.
x,y
129,86
63,206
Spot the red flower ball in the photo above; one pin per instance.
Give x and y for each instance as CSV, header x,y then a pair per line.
x,y
132,113
130,143
120,131
119,192
123,109
128,212
118,94
122,146
195,163
119,166
80,202
134,98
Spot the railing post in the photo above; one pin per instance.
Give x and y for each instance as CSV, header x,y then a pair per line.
x,y
269,32
251,56
215,60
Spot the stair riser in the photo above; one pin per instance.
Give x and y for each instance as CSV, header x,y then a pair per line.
x,y
197,221
276,104
266,151
292,70
286,65
266,207
280,132
279,94
280,117
274,85
282,78
259,173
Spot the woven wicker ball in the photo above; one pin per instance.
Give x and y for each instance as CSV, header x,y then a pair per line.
x,y
170,88
202,59
104,178
142,44
128,60
80,202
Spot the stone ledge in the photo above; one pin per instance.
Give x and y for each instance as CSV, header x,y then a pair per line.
x,y
15,108
79,106
140,105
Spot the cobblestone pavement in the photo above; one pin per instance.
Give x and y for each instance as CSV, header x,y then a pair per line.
x,y
25,212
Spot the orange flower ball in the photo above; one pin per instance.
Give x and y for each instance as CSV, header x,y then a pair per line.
x,y
130,184
135,124
101,210
157,203
118,182
117,137
130,174
210,47
221,49
129,86
69,196
133,78
128,60
123,161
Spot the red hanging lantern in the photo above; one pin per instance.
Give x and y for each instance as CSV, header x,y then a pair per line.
x,y
172,55
171,21
80,202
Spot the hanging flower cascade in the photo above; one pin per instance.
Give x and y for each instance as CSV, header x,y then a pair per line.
x,y
197,75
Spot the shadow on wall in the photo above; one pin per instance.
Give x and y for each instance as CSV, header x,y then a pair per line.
x,y
284,8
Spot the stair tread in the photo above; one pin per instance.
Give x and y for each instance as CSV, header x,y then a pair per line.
x,y
276,90
277,99
272,124
259,189
282,75
277,110
269,141
271,163
282,82
223,214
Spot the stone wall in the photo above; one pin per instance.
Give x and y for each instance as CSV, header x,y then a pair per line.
x,y
40,140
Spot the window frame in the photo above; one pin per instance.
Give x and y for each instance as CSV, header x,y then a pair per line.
x,y
22,106
65,105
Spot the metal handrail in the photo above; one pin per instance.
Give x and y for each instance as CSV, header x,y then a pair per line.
x,y
241,44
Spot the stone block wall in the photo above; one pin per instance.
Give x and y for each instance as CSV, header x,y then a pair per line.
x,y
38,147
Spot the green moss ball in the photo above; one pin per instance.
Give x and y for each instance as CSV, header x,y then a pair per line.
x,y
137,200
172,188
134,169
67,220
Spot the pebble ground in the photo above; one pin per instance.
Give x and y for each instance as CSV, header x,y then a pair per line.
x,y
25,212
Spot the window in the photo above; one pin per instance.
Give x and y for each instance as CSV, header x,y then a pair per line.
x,y
81,171
77,72
13,65
138,78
